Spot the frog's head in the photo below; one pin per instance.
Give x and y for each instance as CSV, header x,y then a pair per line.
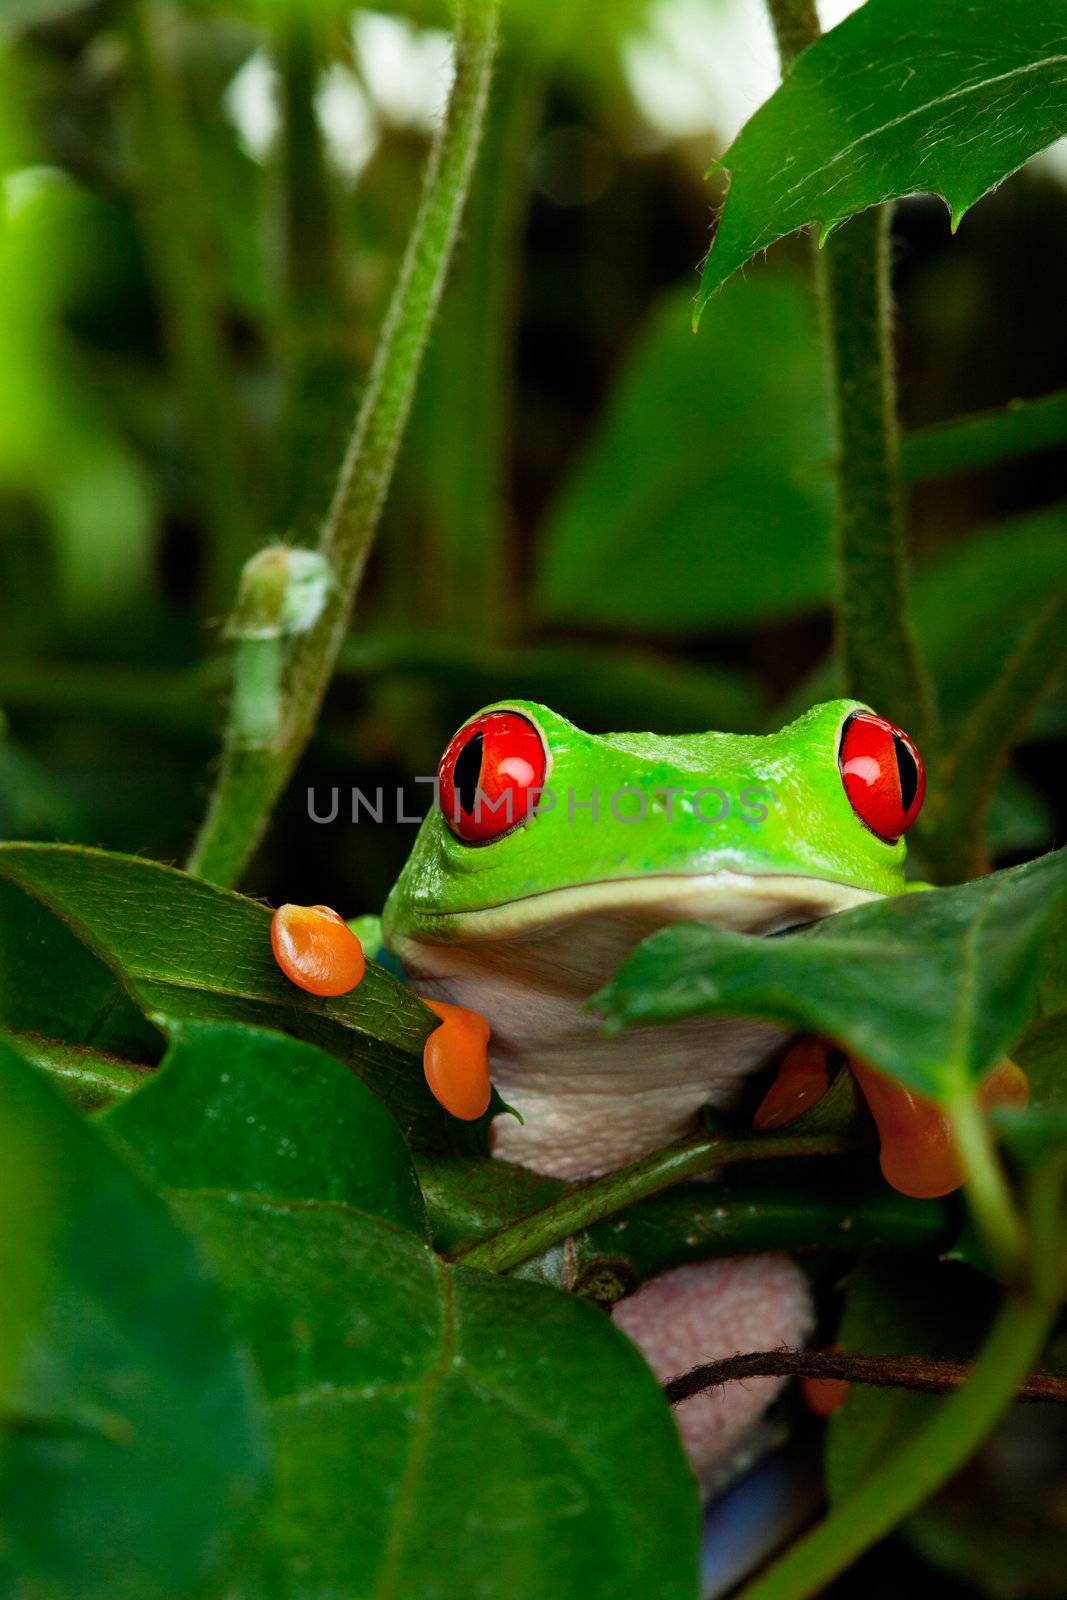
x,y
538,825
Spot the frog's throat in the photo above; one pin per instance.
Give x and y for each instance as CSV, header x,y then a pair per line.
x,y
744,902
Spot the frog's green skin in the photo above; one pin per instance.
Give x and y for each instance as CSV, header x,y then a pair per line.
x,y
525,928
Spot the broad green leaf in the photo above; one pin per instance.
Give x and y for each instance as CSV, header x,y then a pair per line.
x,y
183,950
916,1308
442,1432
263,1114
439,1432
133,1455
53,987
932,987
902,95
700,502
971,604
1042,1054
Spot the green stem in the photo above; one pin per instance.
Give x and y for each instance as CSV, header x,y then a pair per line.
x,y
877,646
876,643
184,260
250,782
988,1193
796,25
953,828
605,1196
919,1467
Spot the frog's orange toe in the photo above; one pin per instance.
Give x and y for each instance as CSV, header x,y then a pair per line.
x,y
918,1155
802,1079
824,1396
316,949
1006,1084
455,1060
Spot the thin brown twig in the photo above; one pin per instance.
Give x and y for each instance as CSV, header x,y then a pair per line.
x,y
925,1374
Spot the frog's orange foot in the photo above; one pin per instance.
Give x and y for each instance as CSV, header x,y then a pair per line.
x,y
824,1396
316,949
455,1060
917,1151
801,1080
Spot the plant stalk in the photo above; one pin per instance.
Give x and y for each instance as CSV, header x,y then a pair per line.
x,y
580,1208
918,1374
875,640
251,780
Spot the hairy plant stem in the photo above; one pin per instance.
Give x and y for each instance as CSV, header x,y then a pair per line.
x,y
580,1208
251,780
920,1374
875,641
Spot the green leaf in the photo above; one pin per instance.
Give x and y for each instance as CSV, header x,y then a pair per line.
x,y
443,1432
969,443
183,950
932,987
972,603
699,503
1042,1054
88,1078
900,96
51,985
133,1452
264,1114
439,1432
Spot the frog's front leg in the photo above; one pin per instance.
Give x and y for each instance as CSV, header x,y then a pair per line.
x,y
706,1313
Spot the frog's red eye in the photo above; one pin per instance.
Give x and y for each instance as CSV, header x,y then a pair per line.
x,y
882,773
490,776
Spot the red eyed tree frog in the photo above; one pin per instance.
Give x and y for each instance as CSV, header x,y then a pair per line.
x,y
548,855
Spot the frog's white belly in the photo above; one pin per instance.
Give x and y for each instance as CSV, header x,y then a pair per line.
x,y
591,1103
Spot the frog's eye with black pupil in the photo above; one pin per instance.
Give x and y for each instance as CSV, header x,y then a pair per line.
x,y
883,775
490,776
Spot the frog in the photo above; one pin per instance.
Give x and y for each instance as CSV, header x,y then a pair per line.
x,y
547,856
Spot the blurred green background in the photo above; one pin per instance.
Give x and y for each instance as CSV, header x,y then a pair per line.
x,y
204,207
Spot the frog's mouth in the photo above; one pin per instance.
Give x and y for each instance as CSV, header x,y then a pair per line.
x,y
744,902
575,938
